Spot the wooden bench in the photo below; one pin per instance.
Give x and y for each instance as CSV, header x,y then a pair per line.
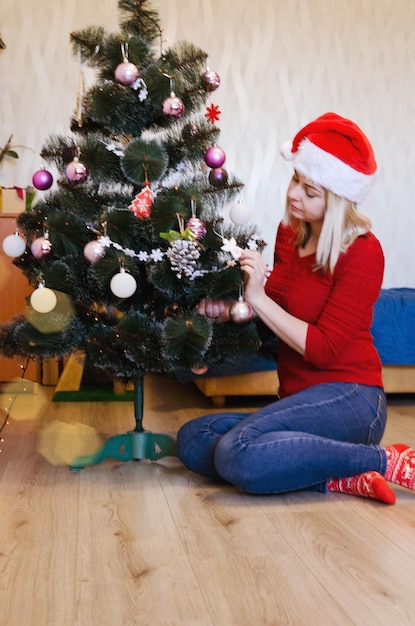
x,y
396,379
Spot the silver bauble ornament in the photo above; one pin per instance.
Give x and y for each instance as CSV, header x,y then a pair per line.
x,y
240,312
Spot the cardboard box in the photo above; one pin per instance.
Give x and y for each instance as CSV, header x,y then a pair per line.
x,y
12,200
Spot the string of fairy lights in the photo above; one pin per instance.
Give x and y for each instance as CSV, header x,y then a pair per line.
x,y
10,399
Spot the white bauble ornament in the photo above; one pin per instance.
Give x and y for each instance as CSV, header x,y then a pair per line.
x,y
240,213
43,299
123,285
14,245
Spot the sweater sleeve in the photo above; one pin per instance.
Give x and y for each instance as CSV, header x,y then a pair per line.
x,y
348,311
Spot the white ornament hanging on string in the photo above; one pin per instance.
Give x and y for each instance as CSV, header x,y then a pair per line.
x,y
123,285
240,213
43,299
14,245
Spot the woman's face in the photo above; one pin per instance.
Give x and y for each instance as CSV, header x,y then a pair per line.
x,y
307,200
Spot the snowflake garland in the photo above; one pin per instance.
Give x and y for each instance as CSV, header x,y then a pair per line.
x,y
157,255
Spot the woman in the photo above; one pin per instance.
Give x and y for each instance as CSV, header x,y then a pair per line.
x,y
324,431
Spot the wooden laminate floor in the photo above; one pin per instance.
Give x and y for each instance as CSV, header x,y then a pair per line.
x,y
148,543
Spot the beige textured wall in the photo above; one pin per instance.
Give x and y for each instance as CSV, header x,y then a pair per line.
x,y
281,62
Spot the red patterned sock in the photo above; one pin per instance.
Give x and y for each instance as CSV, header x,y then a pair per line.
x,y
369,485
401,465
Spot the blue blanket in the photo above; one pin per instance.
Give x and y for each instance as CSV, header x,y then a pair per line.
x,y
393,326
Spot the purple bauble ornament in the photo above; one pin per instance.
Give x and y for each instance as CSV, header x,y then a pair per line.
x,y
211,80
218,177
42,179
197,227
76,171
173,107
126,73
94,251
41,247
240,312
214,157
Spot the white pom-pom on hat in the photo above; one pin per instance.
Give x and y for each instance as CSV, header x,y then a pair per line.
x,y
286,150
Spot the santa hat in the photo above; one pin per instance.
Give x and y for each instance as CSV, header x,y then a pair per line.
x,y
333,152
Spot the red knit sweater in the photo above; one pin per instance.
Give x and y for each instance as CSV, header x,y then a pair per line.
x,y
338,308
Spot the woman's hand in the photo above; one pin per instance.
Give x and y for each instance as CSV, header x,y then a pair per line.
x,y
215,310
255,271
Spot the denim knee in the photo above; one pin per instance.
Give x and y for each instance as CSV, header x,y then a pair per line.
x,y
230,460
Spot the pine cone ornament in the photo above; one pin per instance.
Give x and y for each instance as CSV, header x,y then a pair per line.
x,y
183,255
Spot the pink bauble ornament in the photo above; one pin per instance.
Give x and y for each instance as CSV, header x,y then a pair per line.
x,y
214,157
126,73
14,245
218,177
173,107
240,213
41,247
190,131
202,369
42,179
197,227
94,251
123,285
172,310
240,312
76,171
211,80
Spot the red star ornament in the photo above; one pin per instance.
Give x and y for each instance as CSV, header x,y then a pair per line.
x,y
142,203
212,113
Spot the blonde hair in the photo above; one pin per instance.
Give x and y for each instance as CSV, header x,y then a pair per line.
x,y
341,226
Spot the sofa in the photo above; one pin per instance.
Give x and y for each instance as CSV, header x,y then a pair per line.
x,y
394,337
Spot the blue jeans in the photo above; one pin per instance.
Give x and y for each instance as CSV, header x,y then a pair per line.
x,y
300,442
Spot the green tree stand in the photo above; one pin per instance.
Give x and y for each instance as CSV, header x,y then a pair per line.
x,y
135,444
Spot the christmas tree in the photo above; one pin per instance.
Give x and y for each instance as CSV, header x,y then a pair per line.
x,y
132,235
